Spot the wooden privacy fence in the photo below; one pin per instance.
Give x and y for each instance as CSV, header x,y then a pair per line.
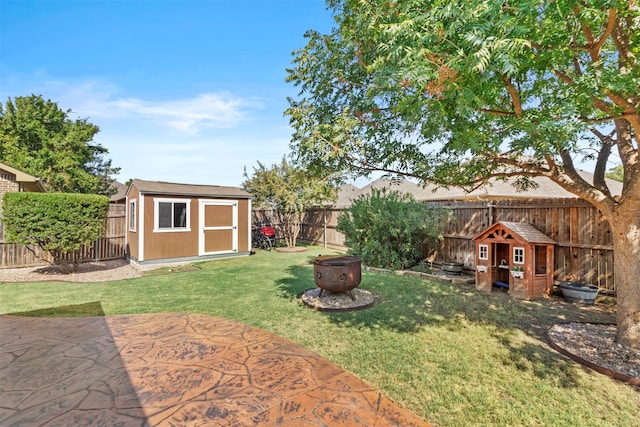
x,y
111,246
318,226
583,250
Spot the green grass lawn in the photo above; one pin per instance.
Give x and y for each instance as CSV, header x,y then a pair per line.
x,y
454,356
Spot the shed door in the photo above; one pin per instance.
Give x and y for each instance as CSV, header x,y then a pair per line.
x,y
218,227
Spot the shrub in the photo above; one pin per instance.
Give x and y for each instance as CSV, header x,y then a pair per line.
x,y
422,267
57,222
389,229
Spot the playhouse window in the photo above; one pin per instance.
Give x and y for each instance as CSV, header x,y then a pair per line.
x,y
483,251
518,255
171,215
132,215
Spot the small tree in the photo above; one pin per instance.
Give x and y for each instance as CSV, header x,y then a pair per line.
x,y
389,229
287,191
56,222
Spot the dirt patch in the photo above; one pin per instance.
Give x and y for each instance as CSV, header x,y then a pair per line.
x,y
99,271
293,249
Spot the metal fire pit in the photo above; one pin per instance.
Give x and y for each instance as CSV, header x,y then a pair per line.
x,y
337,273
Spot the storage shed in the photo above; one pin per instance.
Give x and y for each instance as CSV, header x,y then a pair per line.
x,y
169,222
516,256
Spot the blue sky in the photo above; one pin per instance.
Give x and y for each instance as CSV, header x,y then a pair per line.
x,y
183,91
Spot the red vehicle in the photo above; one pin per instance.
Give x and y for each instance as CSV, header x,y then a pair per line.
x,y
263,237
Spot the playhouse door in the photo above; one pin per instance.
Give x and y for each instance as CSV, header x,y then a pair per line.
x,y
218,227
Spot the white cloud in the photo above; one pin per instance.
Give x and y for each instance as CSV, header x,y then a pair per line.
x,y
191,115
205,138
102,99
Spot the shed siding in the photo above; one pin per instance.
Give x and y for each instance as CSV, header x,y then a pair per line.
x,y
134,236
170,244
244,224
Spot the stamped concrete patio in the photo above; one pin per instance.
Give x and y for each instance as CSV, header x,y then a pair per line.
x,y
175,370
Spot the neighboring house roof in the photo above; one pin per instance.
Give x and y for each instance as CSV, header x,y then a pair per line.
x,y
546,189
527,231
346,194
27,182
121,192
402,185
193,190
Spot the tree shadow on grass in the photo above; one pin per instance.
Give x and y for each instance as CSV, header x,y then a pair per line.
x,y
89,309
407,305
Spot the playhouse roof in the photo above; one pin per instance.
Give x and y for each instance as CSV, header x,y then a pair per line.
x,y
526,231
193,190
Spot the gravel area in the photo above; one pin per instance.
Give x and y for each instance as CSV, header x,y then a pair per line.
x,y
101,271
338,301
595,343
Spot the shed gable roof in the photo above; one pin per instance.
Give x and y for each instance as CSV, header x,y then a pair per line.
x,y
525,231
194,190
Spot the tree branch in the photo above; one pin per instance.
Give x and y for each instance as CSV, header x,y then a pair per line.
x,y
621,39
601,162
497,112
628,153
515,97
611,25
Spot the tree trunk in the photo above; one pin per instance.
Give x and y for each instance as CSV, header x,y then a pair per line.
x,y
290,226
625,226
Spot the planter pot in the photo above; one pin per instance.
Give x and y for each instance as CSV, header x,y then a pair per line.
x,y
517,274
452,267
579,292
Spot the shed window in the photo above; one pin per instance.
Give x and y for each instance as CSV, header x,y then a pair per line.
x,y
132,215
483,251
518,255
171,215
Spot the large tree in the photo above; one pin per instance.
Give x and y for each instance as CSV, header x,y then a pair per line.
x,y
36,136
287,191
462,92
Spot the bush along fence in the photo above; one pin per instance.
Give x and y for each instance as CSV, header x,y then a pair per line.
x,y
111,246
583,250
